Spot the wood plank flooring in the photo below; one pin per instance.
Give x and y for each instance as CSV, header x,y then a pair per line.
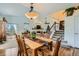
x,y
62,52
10,49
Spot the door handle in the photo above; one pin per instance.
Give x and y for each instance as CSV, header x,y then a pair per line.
x,y
76,33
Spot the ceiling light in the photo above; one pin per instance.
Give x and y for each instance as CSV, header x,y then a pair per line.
x,y
31,14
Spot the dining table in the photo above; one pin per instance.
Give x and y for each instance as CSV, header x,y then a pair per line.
x,y
48,40
34,46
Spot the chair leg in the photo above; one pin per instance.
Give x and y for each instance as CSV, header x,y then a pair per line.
x,y
18,53
42,53
26,54
22,54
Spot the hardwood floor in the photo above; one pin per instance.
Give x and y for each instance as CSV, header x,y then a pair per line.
x,y
65,52
2,52
62,52
11,49
76,53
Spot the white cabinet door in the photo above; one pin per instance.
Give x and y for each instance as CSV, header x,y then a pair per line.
x,y
76,31
72,30
69,31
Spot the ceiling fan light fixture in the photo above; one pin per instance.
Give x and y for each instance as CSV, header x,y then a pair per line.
x,y
31,14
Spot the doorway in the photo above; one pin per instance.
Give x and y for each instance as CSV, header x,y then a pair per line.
x,y
61,25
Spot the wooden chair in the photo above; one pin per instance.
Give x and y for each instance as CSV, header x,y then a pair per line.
x,y
19,48
57,46
55,51
22,50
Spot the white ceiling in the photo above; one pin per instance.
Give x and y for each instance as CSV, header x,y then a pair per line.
x,y
43,9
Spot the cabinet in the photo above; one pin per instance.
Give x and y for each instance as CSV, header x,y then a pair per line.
x,y
72,31
76,31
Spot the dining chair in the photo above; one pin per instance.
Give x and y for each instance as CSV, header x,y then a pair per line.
x,y
57,46
19,45
22,50
55,51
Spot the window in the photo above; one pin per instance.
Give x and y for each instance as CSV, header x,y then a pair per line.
x,y
11,28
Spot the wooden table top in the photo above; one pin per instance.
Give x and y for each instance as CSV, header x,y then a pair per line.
x,y
44,38
32,44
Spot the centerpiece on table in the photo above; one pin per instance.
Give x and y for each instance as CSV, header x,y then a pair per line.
x,y
33,35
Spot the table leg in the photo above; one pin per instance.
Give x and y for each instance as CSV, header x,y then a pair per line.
x,y
34,52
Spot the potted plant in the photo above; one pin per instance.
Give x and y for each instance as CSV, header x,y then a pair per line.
x,y
70,11
33,35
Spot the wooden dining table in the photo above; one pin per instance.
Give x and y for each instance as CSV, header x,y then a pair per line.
x,y
48,40
33,45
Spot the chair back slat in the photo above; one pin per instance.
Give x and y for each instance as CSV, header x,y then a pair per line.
x,y
21,44
18,41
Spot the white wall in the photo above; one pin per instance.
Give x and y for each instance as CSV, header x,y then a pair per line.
x,y
20,20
